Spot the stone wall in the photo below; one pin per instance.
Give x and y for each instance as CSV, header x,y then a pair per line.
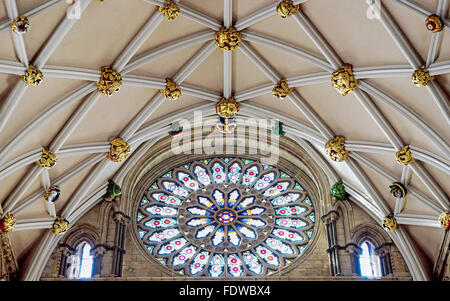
x,y
313,265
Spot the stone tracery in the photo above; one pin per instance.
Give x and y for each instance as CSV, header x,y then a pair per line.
x,y
225,217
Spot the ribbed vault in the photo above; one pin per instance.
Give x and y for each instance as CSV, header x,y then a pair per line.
x,y
385,42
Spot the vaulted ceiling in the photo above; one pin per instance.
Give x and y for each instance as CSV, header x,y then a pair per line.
x,y
385,45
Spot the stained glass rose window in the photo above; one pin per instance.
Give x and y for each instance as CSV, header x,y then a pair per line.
x,y
225,217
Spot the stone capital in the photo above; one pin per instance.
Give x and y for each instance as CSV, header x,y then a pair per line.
x,y
99,250
353,249
330,217
66,250
121,218
382,250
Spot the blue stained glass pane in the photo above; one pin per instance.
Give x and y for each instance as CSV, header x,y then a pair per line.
x,y
139,217
173,246
247,232
287,235
168,175
252,211
311,217
218,173
276,189
199,263
245,202
234,173
290,210
268,256
198,211
141,233
279,246
163,222
247,161
265,166
290,223
187,181
264,181
195,222
218,237
153,187
160,236
202,175
252,262
144,201
233,237
255,222
166,199
284,175
216,268
184,255
307,201
298,187
235,268
250,175
226,160
309,233
175,188
205,232
219,197
207,203
286,199
161,210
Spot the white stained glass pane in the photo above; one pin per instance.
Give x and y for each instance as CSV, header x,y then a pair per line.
x,y
87,261
369,262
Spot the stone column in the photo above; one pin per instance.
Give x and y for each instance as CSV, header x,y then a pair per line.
x,y
354,251
8,263
385,259
122,222
66,252
330,222
98,251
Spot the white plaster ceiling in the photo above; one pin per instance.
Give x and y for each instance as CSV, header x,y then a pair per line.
x,y
106,28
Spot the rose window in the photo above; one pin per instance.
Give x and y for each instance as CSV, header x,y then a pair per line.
x,y
225,217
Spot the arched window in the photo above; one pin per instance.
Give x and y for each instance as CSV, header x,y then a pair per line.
x,y
369,262
82,263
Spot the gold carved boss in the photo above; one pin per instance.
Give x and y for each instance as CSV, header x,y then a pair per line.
x,y
343,80
7,223
444,220
434,23
227,108
286,8
390,223
172,91
228,39
170,10
60,225
404,156
281,89
119,150
47,160
335,149
110,81
421,77
33,76
20,25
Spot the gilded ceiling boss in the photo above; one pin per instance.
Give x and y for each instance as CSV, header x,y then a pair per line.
x,y
228,38
335,149
119,150
343,80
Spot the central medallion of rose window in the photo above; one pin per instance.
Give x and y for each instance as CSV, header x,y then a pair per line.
x,y
225,217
